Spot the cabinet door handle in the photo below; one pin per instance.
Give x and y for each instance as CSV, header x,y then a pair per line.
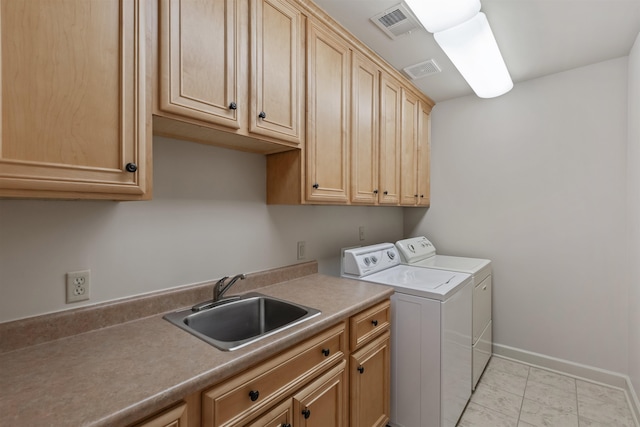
x,y
233,106
306,413
361,369
131,167
326,352
262,115
316,186
253,395
374,322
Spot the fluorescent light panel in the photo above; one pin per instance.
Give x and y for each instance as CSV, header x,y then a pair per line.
x,y
472,48
439,15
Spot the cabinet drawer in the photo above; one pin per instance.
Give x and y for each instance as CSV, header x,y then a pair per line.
x,y
231,401
368,324
481,307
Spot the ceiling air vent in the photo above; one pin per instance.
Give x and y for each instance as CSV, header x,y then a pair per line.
x,y
422,69
396,21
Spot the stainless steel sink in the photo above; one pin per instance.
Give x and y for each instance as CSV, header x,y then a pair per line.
x,y
240,322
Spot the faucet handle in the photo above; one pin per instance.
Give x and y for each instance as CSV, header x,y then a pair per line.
x,y
221,282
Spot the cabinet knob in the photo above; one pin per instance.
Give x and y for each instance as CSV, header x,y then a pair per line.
x,y
306,413
415,195
374,322
131,167
385,193
286,425
361,369
422,196
233,106
375,191
316,186
326,351
253,395
262,115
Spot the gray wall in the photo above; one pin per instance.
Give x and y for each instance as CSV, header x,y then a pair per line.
x,y
633,183
535,180
208,209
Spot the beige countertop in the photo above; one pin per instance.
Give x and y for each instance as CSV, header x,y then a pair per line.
x,y
119,374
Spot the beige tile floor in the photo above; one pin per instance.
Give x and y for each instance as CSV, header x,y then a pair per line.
x,y
512,394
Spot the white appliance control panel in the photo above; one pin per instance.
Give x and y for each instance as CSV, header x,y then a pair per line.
x,y
359,262
415,249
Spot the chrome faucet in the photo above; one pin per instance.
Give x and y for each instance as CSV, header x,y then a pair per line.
x,y
220,288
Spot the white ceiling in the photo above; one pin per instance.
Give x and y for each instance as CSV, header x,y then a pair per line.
x,y
536,37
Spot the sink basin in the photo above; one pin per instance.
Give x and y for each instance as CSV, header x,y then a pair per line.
x,y
232,325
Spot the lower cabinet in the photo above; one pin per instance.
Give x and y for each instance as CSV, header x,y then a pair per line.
x,y
324,402
370,384
337,378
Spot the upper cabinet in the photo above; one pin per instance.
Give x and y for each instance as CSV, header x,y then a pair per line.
x,y
200,60
74,122
231,73
329,62
390,143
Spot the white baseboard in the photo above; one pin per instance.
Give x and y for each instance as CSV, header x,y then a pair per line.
x,y
573,369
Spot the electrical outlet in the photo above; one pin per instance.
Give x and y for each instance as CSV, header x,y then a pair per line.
x,y
78,285
361,232
301,249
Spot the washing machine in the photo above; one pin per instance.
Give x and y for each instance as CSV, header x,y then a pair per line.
x,y
420,252
430,335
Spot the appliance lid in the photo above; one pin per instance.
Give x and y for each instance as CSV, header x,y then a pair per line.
x,y
424,282
415,249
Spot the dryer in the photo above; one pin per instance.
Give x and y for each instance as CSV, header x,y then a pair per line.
x,y
420,252
430,335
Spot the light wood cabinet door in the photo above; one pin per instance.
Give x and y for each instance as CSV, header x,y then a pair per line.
x,y
390,143
370,384
424,155
199,60
323,402
328,65
73,99
280,416
409,152
364,130
277,63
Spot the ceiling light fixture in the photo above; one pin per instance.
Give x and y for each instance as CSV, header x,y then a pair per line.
x,y
464,34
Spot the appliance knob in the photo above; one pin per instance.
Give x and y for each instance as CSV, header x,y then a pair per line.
x,y
391,254
411,248
367,261
374,259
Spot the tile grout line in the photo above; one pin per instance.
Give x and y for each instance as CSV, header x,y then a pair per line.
x,y
523,394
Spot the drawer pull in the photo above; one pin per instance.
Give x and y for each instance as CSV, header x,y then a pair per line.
x,y
306,413
374,322
253,395
326,351
361,369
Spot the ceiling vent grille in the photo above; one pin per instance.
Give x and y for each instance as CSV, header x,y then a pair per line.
x,y
422,69
396,21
